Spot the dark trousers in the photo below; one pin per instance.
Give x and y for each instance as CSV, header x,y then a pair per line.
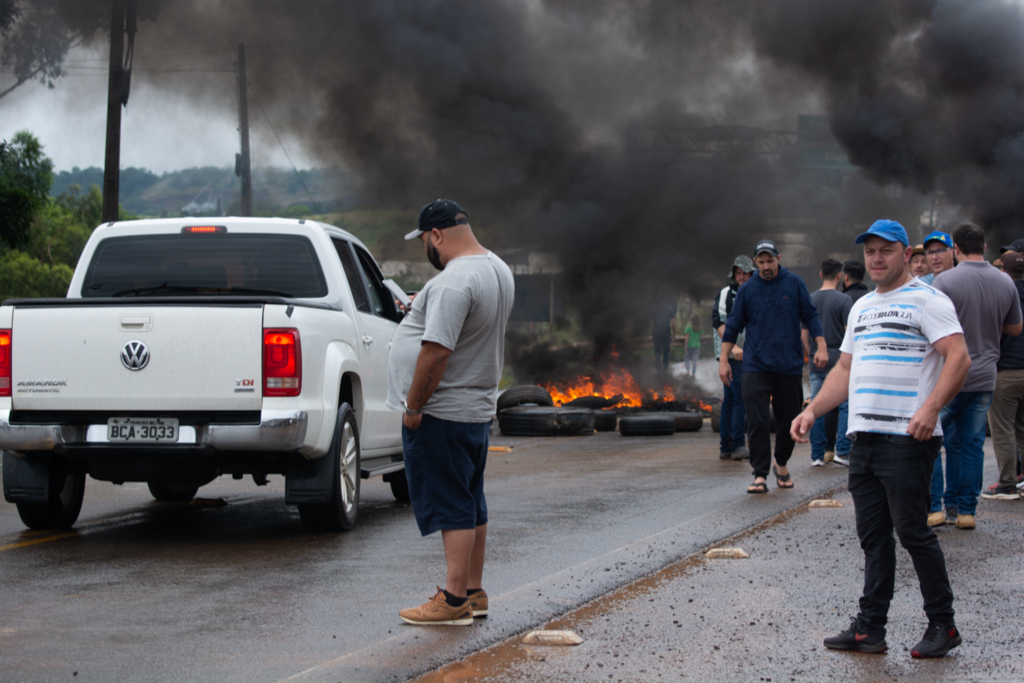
x,y
784,394
662,349
732,424
890,481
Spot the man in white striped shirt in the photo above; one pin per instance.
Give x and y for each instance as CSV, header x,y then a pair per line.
x,y
892,369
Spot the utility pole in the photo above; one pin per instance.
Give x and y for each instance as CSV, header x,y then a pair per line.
x,y
112,159
243,166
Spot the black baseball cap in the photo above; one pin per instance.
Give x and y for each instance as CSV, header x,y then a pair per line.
x,y
766,245
439,214
1016,245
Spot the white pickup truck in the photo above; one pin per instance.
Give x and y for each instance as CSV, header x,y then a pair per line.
x,y
193,348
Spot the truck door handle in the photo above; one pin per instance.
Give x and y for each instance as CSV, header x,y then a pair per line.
x,y
367,339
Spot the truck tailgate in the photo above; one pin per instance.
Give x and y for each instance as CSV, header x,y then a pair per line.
x,y
199,357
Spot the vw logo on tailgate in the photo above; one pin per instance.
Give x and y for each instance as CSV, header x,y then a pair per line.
x,y
135,355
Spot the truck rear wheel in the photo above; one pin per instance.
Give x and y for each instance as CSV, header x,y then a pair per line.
x,y
67,490
399,486
339,512
173,490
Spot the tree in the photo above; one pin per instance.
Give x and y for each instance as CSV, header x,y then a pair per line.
x,y
26,175
37,34
22,276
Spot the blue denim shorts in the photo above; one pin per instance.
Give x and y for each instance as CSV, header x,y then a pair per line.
x,y
444,465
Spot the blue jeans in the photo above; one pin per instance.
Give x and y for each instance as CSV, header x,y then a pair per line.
x,y
963,431
732,423
818,438
889,481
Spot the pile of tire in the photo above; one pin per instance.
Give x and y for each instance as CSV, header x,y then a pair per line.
x,y
660,424
528,410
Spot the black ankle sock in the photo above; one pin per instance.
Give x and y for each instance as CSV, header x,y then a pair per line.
x,y
454,601
471,591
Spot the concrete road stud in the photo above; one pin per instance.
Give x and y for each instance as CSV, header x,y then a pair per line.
x,y
551,638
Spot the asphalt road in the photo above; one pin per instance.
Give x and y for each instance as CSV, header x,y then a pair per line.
x,y
152,591
763,618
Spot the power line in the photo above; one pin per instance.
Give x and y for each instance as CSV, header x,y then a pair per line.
x,y
288,156
160,70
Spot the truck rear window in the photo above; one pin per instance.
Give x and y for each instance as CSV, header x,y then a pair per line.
x,y
219,264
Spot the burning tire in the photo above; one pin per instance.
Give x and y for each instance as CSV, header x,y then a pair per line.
x,y
526,393
716,418
546,421
605,420
647,425
688,422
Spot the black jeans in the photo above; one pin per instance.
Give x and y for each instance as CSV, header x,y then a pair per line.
x,y
785,394
890,480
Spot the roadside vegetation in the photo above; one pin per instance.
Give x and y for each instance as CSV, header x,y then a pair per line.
x,y
41,236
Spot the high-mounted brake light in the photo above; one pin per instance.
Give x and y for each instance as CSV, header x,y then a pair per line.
x,y
282,362
202,229
5,362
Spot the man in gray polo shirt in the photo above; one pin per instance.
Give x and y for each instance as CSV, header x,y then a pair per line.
x,y
987,305
445,364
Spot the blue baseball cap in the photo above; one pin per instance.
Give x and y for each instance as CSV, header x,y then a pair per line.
x,y
890,231
939,237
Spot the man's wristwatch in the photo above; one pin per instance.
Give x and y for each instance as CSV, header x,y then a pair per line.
x,y
409,411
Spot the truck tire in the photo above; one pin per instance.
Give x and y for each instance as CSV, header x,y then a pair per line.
x,y
340,510
688,421
546,421
527,393
177,491
605,420
67,490
649,424
399,486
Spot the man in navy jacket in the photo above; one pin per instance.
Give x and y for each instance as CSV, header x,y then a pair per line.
x,y
770,307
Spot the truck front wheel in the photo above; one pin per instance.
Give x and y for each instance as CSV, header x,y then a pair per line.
x,y
173,491
67,490
339,512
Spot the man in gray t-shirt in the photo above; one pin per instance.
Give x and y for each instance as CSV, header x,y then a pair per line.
x,y
987,305
833,310
443,371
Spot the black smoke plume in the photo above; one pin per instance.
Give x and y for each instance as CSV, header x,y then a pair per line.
x,y
928,94
521,111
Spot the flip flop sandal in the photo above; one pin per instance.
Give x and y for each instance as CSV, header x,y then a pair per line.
x,y
782,479
758,487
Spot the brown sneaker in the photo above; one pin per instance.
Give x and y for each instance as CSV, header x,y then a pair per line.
x,y
478,601
937,518
965,521
437,612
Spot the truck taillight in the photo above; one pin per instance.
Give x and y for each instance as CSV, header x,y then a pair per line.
x,y
5,362
282,362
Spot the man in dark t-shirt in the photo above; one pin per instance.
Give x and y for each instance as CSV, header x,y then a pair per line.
x,y
833,310
1005,413
853,279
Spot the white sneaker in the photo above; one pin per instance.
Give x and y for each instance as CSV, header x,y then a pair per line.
x,y
839,460
817,463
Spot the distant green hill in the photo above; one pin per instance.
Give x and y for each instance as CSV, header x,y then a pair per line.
x,y
275,191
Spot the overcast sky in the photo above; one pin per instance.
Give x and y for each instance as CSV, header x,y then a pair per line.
x,y
158,132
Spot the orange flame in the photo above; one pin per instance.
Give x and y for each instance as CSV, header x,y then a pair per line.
x,y
612,382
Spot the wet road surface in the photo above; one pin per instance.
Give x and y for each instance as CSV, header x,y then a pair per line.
x,y
142,590
763,618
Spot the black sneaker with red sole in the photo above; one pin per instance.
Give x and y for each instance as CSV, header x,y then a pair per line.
x,y
857,640
938,639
